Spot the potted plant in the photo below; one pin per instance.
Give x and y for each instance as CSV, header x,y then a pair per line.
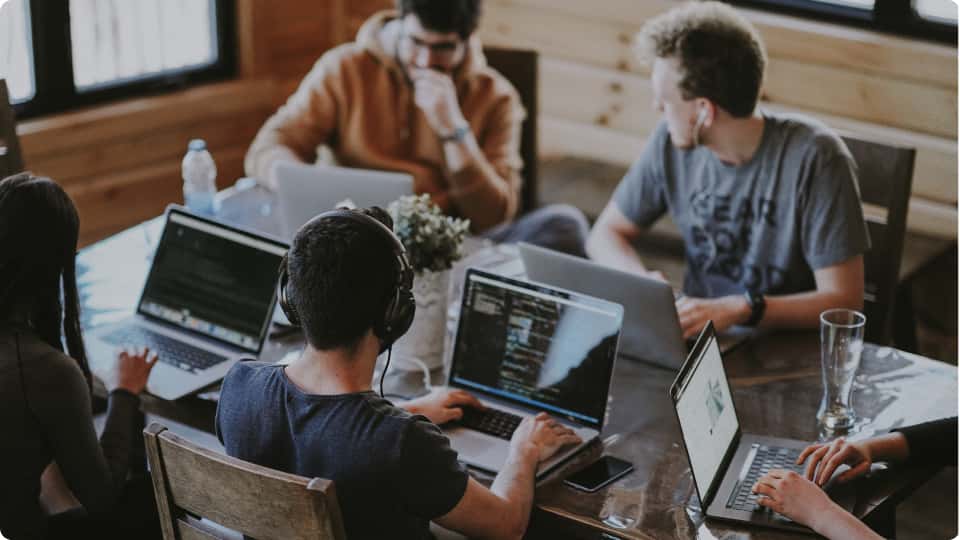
x,y
433,242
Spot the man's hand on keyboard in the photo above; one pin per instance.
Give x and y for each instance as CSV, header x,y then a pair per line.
x,y
130,371
543,435
442,405
825,458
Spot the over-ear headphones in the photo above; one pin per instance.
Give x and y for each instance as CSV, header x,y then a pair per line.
x,y
401,306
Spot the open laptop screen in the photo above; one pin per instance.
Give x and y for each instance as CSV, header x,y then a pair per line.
x,y
213,280
536,346
708,420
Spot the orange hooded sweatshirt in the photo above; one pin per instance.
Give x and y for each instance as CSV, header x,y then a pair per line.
x,y
358,101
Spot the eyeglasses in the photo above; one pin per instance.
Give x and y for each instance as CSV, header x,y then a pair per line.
x,y
441,48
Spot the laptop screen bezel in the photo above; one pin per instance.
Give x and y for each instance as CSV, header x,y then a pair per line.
x,y
615,308
264,326
707,335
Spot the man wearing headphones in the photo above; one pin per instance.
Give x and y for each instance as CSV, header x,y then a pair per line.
x,y
767,203
346,281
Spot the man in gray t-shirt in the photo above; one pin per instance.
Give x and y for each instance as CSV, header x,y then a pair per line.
x,y
767,203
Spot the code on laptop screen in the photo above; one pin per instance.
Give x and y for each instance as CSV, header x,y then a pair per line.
x,y
536,346
213,281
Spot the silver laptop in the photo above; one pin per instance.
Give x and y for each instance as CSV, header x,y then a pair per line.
x,y
303,191
524,348
207,301
651,329
724,461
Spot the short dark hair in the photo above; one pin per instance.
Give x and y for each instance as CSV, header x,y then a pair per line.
x,y
341,276
460,16
721,55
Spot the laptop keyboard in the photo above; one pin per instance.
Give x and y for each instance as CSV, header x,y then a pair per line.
x,y
490,421
169,350
765,459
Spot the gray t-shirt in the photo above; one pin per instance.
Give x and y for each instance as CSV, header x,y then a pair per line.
x,y
764,225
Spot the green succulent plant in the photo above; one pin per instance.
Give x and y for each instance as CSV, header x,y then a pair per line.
x,y
433,241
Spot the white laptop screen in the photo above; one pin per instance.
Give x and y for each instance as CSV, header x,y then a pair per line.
x,y
213,280
537,346
707,417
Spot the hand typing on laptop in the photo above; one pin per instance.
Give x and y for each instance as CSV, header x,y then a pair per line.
x,y
541,436
130,370
442,405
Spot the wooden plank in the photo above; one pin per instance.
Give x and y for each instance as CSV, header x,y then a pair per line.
x,y
112,203
785,37
79,165
903,103
563,137
622,101
125,119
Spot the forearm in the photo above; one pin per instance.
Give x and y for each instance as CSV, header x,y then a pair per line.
x,y
889,447
515,485
803,310
839,524
480,193
612,249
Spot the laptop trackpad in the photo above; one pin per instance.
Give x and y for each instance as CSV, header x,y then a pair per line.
x,y
478,449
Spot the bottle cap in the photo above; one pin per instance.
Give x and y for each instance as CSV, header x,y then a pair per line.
x,y
197,145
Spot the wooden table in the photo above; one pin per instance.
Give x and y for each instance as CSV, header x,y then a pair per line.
x,y
776,389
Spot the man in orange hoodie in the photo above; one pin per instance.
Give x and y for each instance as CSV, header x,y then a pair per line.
x,y
414,94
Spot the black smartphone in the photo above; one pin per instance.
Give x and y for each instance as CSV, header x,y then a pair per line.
x,y
599,473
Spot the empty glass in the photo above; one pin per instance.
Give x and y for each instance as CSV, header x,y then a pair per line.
x,y
841,342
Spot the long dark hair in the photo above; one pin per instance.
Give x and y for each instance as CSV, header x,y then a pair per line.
x,y
38,244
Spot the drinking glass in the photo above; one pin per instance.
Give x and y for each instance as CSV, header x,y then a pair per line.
x,y
841,342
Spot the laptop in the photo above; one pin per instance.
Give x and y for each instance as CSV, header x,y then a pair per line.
x,y
724,461
651,329
523,348
207,301
303,191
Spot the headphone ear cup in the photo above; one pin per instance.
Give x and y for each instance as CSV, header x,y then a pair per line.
x,y
285,305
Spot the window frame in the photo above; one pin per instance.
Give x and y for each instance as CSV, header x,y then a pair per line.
x,y
54,89
890,16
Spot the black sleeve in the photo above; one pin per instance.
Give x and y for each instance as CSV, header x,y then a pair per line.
x,y
94,470
933,443
429,471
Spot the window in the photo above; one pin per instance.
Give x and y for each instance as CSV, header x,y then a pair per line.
x,y
16,55
944,11
926,19
112,49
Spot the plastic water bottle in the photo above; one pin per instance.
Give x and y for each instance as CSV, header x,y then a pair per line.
x,y
199,179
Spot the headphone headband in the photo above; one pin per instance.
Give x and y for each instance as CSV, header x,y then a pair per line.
x,y
399,311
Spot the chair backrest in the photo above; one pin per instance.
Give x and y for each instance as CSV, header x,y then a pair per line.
x,y
521,68
885,175
11,161
192,482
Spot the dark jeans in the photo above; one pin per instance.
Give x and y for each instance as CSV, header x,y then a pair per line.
x,y
560,227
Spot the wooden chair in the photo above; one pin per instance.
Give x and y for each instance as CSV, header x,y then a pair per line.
x,y
885,175
11,161
192,482
521,68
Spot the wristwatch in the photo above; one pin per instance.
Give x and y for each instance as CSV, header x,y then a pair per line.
x,y
758,304
457,135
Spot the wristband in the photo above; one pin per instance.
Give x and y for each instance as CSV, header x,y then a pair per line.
x,y
457,135
758,305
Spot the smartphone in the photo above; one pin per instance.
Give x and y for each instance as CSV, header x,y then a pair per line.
x,y
599,473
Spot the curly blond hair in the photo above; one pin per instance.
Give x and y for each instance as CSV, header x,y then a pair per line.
x,y
720,54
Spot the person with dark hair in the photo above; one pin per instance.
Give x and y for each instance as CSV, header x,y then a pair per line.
x,y
802,499
50,452
393,469
767,203
414,94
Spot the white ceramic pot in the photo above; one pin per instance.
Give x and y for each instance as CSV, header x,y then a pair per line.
x,y
422,346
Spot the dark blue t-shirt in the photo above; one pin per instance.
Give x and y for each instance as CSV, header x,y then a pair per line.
x,y
393,471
